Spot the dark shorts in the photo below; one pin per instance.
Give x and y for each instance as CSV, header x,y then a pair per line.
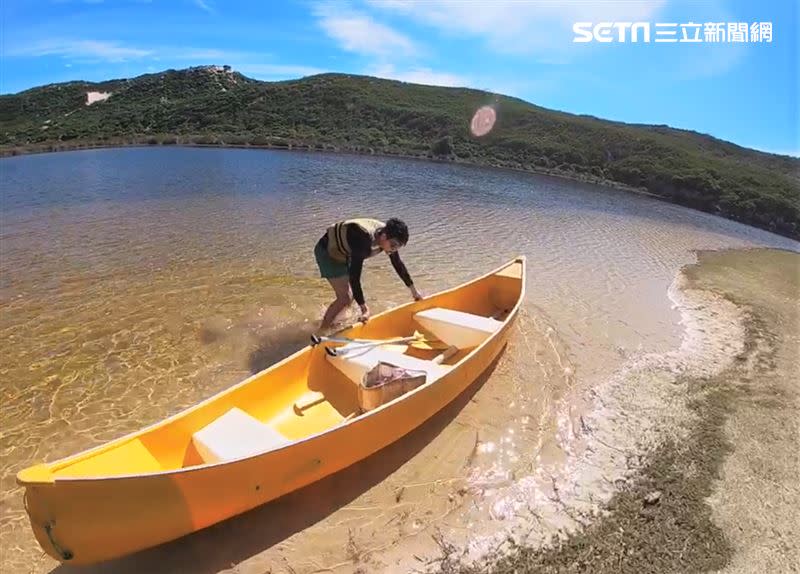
x,y
329,268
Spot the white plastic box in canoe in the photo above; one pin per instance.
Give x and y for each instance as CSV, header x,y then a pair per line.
x,y
456,328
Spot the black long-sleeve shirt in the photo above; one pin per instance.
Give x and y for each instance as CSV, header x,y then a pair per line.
x,y
360,249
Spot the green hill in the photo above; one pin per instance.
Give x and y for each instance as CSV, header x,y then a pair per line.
x,y
214,105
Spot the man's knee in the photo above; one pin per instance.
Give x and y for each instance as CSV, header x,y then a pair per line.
x,y
345,299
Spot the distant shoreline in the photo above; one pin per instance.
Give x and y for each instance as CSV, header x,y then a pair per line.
x,y
327,148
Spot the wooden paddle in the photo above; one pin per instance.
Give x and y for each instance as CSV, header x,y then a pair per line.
x,y
417,340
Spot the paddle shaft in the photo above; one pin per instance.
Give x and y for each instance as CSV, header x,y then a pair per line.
x,y
344,351
315,340
367,343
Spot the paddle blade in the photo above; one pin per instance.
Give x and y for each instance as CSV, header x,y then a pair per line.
x,y
425,343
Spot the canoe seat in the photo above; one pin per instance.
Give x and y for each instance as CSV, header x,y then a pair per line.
x,y
235,435
357,363
457,328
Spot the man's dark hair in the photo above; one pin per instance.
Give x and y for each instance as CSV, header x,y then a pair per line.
x,y
396,229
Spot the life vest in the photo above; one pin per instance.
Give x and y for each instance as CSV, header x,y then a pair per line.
x,y
338,247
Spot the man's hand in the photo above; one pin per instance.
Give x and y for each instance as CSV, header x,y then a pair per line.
x,y
418,296
364,313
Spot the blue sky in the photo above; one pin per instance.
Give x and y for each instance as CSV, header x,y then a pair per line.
x,y
746,93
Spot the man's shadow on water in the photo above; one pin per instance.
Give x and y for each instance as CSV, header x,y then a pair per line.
x,y
233,541
278,344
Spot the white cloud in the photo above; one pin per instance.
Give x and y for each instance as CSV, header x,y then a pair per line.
x,y
393,55
356,32
104,51
509,26
82,49
204,5
419,76
710,60
75,52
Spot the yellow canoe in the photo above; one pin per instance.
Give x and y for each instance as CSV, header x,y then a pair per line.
x,y
279,430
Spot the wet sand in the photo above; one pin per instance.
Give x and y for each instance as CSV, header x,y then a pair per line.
x,y
700,469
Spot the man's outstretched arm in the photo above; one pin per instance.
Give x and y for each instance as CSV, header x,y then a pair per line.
x,y
402,272
400,268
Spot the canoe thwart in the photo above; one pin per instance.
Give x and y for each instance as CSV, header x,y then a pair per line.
x,y
442,357
308,401
418,340
351,416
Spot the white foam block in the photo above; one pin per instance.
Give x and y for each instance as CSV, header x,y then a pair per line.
x,y
457,328
235,435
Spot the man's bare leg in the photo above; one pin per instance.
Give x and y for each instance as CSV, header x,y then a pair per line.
x,y
341,286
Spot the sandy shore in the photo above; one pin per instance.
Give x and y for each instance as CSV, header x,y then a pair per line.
x,y
686,462
755,501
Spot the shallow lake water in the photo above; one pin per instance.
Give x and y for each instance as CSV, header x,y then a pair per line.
x,y
137,282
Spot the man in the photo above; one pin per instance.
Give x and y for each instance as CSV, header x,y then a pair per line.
x,y
341,252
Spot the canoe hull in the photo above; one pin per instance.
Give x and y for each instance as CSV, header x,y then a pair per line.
x,y
86,520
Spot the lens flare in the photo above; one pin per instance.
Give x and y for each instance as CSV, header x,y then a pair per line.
x,y
483,121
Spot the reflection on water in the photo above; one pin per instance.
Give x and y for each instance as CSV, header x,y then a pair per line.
x,y
137,282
